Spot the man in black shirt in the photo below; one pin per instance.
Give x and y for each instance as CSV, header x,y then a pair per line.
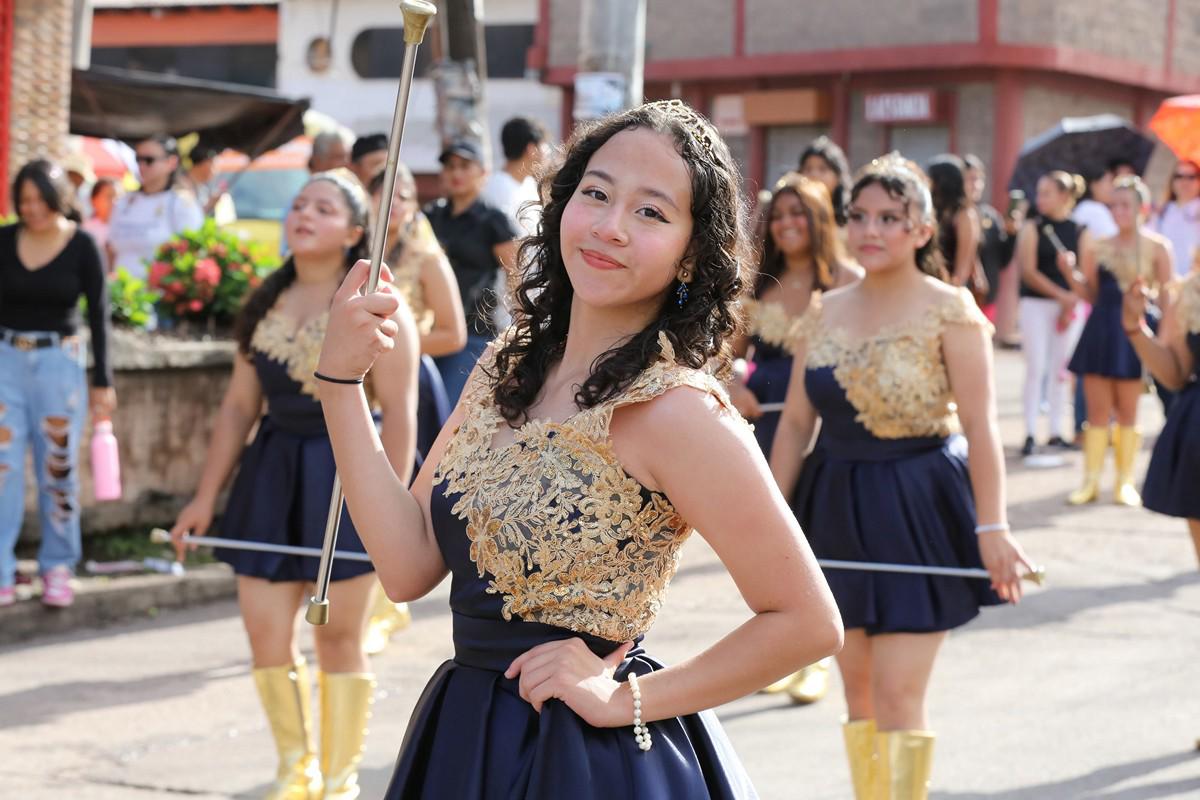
x,y
479,240
999,233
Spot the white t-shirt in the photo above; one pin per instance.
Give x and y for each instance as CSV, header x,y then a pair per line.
x,y
1096,217
505,193
1181,224
142,222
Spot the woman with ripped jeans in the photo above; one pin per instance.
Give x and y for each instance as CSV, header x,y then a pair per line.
x,y
46,263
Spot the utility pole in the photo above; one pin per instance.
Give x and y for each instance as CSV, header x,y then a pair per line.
x,y
460,76
612,47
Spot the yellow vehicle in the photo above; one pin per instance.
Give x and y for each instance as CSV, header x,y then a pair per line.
x,y
262,190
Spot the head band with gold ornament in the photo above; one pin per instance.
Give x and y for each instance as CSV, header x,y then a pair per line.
x,y
900,166
701,131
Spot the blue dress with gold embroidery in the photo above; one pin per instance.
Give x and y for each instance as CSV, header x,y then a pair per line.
x,y
773,336
1173,478
285,477
887,480
548,538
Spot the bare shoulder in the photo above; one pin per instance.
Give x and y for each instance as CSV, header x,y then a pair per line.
x,y
849,272
683,413
938,292
1160,242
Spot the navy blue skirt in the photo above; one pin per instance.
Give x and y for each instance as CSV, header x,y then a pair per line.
x,y
1173,479
281,496
899,501
1103,348
769,383
472,737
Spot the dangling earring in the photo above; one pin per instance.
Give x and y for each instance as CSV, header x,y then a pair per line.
x,y
681,294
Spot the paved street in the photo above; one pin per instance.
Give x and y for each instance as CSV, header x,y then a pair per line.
x,y
1087,690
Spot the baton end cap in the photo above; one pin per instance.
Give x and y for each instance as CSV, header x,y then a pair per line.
x,y
417,16
160,536
318,612
1038,576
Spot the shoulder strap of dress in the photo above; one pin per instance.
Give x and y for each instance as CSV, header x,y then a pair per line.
x,y
962,310
660,377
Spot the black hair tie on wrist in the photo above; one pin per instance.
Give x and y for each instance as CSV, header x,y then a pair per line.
x,y
343,381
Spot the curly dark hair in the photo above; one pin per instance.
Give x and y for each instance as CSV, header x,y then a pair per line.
x,y
699,331
263,298
905,181
828,151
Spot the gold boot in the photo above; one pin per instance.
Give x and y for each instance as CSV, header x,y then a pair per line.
x,y
345,708
284,692
905,764
864,761
386,618
1126,444
782,684
1095,445
811,683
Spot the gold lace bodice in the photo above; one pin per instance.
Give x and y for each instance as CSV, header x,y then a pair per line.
x,y
299,351
556,525
896,379
1189,303
1122,263
406,275
771,322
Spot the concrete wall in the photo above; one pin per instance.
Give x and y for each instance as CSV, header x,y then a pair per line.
x,y
784,26
167,394
1114,28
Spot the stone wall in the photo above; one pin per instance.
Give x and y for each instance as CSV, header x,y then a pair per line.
x,y
41,81
168,393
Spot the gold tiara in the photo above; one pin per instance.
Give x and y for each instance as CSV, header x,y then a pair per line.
x,y
699,128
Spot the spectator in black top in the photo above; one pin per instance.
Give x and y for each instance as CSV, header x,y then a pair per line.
x,y
824,161
480,241
999,233
46,263
368,157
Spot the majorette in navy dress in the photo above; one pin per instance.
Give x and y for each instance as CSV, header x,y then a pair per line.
x,y
1173,478
548,538
887,480
773,338
1103,347
285,476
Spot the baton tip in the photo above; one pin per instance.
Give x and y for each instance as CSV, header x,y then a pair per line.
x,y
1038,576
160,536
318,612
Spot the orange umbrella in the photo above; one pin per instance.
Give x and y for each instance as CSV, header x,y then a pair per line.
x,y
1177,124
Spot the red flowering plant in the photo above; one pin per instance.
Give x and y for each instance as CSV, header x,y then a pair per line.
x,y
205,274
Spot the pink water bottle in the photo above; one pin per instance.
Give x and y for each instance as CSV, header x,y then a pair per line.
x,y
106,464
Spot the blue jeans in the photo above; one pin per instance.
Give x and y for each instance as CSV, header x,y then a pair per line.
x,y
43,401
456,367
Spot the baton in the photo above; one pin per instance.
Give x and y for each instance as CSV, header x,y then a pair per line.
x,y
1038,575
417,15
160,536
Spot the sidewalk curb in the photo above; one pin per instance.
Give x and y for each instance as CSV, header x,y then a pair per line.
x,y
104,601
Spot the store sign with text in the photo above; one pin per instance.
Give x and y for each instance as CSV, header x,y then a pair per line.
x,y
884,108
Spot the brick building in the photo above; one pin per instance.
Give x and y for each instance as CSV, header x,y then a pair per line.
x,y
923,76
35,83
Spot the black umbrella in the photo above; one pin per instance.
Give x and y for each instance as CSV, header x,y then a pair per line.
x,y
1080,145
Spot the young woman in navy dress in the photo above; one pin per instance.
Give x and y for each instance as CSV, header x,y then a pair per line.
x,y
589,443
1104,359
888,479
1172,357
282,491
802,256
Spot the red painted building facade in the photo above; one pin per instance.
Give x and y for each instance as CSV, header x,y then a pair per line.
x,y
923,76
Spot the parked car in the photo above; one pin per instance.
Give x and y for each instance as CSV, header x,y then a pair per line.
x,y
262,189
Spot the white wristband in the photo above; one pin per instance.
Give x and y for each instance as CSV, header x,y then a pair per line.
x,y
994,526
641,734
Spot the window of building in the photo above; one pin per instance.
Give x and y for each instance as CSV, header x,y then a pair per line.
x,y
379,52
250,64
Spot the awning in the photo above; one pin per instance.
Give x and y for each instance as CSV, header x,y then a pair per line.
x,y
123,104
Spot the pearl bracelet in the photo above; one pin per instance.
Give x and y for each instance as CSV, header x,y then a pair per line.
x,y
995,526
641,734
